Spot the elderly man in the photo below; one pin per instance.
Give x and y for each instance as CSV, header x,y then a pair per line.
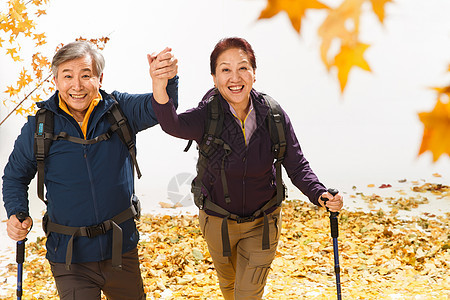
x,y
89,176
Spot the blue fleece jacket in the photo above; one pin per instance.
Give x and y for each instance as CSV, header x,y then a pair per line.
x,y
85,184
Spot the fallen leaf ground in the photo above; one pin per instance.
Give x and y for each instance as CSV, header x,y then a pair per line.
x,y
381,256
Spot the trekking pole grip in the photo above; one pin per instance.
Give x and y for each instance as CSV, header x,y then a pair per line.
x,y
21,216
333,214
20,253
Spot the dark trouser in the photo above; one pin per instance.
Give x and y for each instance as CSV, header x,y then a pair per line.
x,y
85,281
244,274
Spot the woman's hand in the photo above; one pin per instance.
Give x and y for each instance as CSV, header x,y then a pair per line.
x,y
333,203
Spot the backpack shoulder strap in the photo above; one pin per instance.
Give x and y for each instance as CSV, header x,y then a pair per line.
x,y
214,121
276,127
119,124
276,124
210,142
42,142
44,136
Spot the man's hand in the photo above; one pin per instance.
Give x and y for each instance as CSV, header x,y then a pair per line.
x,y
17,230
163,66
334,203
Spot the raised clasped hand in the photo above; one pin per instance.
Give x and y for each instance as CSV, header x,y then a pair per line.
x,y
163,65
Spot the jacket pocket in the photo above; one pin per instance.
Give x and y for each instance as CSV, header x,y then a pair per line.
x,y
53,241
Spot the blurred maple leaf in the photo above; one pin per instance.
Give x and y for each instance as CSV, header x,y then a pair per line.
x,y
337,26
349,57
378,8
294,8
341,24
436,131
442,91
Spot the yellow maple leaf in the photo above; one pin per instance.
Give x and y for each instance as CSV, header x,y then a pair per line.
x,y
341,23
38,73
3,17
378,8
40,43
17,58
11,91
11,51
294,8
26,25
36,98
442,91
436,133
18,6
28,79
39,37
1,41
40,12
20,111
350,56
39,61
24,79
14,15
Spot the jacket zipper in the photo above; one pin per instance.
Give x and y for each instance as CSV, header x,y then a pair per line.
x,y
88,167
243,181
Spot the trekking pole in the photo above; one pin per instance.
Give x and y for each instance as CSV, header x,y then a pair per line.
x,y
334,234
20,256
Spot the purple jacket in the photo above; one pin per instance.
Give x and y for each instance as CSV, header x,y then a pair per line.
x,y
249,170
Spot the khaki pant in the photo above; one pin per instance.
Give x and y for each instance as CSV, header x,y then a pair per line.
x,y
85,281
244,274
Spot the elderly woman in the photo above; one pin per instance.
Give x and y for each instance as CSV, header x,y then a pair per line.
x,y
236,188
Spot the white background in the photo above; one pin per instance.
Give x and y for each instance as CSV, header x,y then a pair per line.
x,y
369,134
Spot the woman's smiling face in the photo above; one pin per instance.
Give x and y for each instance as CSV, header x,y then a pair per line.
x,y
234,76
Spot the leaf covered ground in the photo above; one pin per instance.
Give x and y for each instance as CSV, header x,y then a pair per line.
x,y
382,256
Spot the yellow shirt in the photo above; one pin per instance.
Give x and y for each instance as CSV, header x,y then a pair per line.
x,y
83,125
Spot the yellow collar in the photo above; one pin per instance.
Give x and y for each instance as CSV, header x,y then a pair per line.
x,y
83,125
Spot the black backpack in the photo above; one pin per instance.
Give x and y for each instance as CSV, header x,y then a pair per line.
x,y
209,144
44,136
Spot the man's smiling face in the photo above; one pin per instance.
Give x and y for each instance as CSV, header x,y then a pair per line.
x,y
78,84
